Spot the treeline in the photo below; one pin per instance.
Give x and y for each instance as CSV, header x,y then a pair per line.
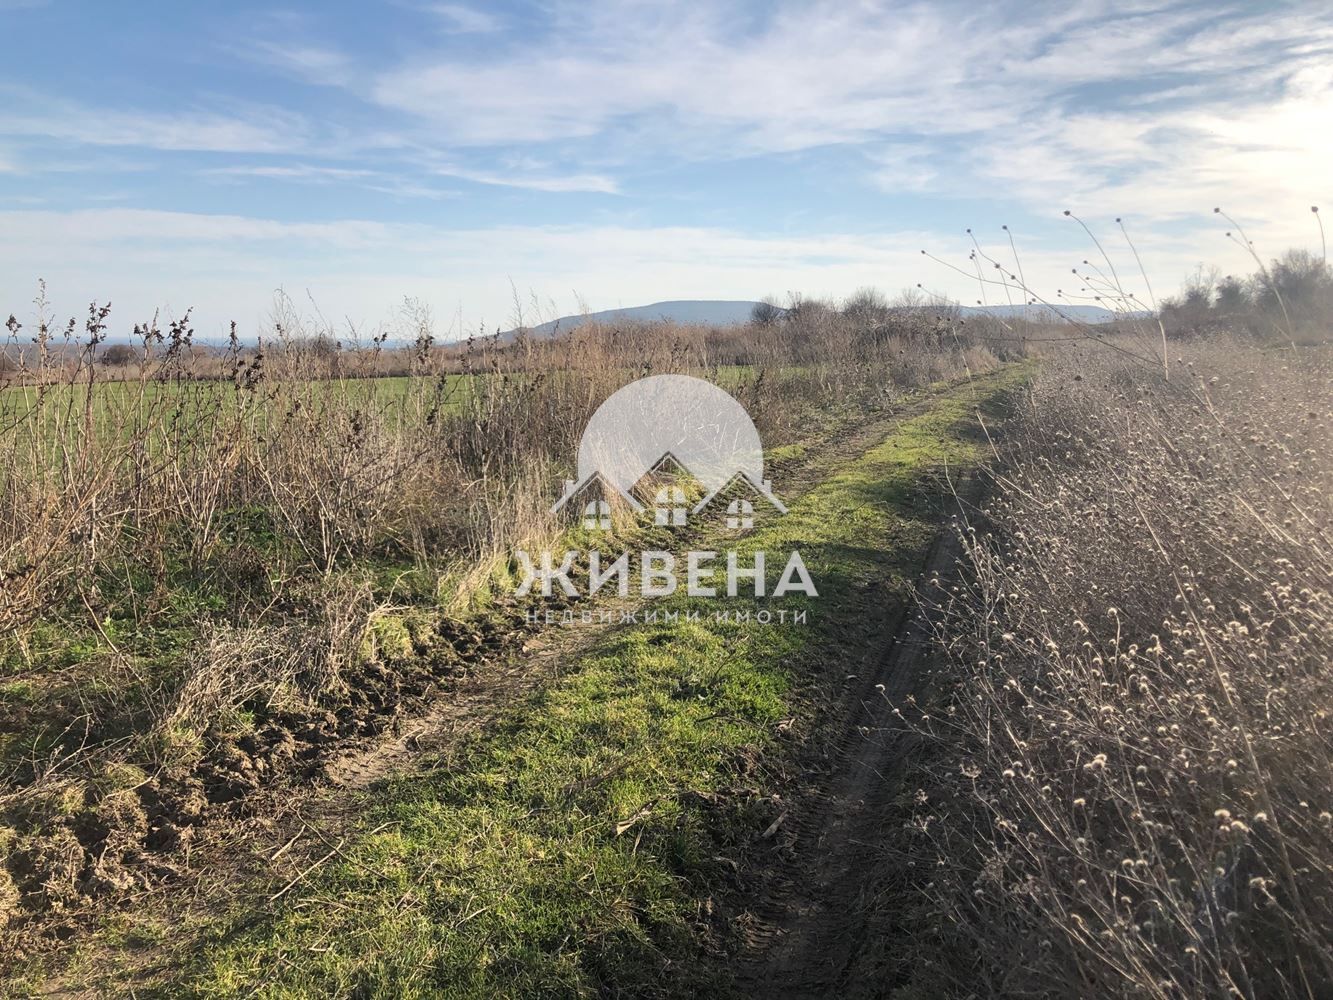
x,y
1289,299
805,331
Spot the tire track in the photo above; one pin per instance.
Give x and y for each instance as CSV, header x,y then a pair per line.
x,y
808,932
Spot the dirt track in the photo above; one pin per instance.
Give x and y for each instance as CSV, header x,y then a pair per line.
x,y
811,935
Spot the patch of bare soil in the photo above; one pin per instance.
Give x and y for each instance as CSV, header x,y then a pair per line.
x,y
362,764
107,838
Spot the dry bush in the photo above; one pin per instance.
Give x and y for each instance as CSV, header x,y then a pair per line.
x,y
271,665
1131,793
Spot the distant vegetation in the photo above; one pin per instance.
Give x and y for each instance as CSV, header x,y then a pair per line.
x,y
117,355
1290,298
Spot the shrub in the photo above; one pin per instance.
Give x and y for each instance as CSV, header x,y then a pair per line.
x,y
117,355
1289,299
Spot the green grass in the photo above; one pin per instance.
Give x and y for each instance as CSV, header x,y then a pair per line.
x,y
572,850
118,401
193,407
183,592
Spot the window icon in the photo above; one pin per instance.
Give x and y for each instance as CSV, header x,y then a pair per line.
x,y
740,514
670,504
597,515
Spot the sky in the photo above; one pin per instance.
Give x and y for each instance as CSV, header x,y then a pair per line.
x,y
540,158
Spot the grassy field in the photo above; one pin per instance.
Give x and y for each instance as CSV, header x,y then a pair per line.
x,y
122,407
576,847
215,593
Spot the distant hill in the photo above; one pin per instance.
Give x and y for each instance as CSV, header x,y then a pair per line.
x,y
710,312
728,312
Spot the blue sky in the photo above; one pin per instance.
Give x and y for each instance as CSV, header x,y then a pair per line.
x,y
617,153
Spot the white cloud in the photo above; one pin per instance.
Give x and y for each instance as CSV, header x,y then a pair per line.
x,y
312,63
555,184
1107,105
1258,157
296,171
395,183
813,73
1113,105
819,74
371,180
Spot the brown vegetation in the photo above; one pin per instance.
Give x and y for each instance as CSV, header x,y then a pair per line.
x,y
1130,787
1288,299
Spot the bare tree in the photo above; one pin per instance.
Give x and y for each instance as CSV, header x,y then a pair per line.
x,y
766,312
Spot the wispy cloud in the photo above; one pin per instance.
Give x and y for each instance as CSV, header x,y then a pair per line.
x,y
297,172
379,181
596,183
465,20
395,182
311,63
808,75
1171,163
732,83
1082,97
248,130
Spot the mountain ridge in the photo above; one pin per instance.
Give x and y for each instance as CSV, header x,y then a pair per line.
x,y
733,312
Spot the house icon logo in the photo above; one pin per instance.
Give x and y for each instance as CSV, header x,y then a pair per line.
x,y
674,444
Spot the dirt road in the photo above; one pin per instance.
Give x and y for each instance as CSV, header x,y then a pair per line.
x,y
813,933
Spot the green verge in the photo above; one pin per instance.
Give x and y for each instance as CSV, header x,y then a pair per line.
x,y
573,849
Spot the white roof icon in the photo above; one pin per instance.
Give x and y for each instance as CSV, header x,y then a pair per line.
x,y
703,427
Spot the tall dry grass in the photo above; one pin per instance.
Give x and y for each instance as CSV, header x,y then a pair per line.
x,y
1131,792
199,550
452,463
